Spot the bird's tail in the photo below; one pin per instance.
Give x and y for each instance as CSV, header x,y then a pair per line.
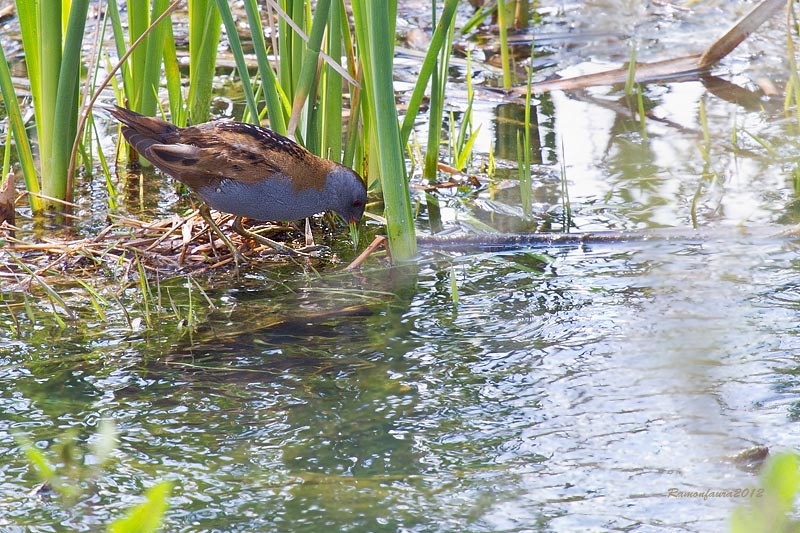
x,y
141,131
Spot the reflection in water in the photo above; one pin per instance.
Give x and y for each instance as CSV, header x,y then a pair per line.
x,y
510,127
570,387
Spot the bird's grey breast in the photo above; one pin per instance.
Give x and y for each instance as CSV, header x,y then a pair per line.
x,y
274,198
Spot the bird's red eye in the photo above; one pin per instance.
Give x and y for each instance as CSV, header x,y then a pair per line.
x,y
357,203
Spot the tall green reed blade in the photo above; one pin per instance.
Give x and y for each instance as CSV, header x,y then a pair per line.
x,y
93,71
290,44
204,32
525,181
6,148
352,140
110,79
138,20
353,145
49,37
308,71
463,141
503,22
565,201
119,41
438,85
641,112
331,89
307,85
226,15
436,112
27,13
111,189
269,82
428,67
630,82
172,73
24,153
67,105
52,68
375,27
793,87
154,49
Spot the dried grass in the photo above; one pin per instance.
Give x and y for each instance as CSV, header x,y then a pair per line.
x,y
175,245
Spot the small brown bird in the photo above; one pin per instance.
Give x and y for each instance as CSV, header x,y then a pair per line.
x,y
246,170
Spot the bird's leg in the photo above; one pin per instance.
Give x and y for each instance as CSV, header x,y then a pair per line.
x,y
238,228
205,212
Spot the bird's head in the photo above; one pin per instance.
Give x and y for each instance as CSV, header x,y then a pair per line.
x,y
349,194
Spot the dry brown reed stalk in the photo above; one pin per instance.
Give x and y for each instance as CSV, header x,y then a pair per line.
x,y
180,244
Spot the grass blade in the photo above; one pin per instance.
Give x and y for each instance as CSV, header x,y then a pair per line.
x,y
308,71
269,82
374,21
67,104
20,135
204,32
152,66
238,55
428,67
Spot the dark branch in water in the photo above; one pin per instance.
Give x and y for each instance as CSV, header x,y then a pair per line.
x,y
513,241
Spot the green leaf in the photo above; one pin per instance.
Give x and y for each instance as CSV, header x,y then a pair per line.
x,y
782,478
24,152
145,517
204,33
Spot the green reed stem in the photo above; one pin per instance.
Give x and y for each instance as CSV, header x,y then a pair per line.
x,y
793,87
641,112
429,64
307,78
24,153
172,73
525,181
119,41
204,32
291,45
29,27
109,79
154,49
502,22
269,82
238,55
374,21
630,82
435,114
53,65
438,85
49,36
67,105
332,88
138,20
463,142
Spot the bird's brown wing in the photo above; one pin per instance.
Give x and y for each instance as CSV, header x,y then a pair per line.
x,y
196,165
238,152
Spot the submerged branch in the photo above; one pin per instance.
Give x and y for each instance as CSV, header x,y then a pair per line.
x,y
513,241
